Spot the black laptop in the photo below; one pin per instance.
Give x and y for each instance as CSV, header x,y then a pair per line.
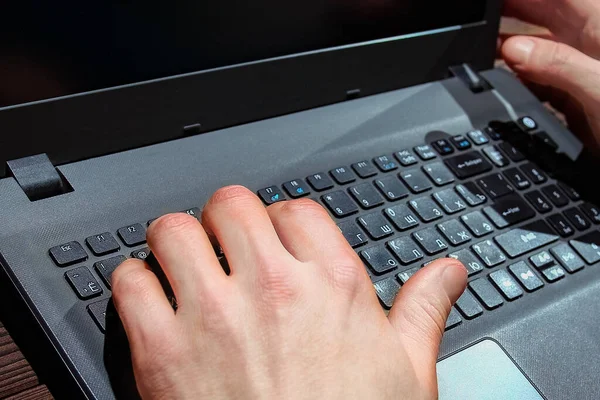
x,y
390,114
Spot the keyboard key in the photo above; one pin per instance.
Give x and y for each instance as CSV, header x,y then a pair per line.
x,y
354,236
588,247
455,232
517,178
102,244
539,201
340,204
105,268
366,195
343,175
453,319
320,182
392,188
495,186
542,139
506,285
438,173
468,164
478,137
492,133
486,293
379,259
193,212
98,312
477,223
528,123
133,235
468,306
296,188
385,163
404,276
387,290
376,225
471,193
511,152
364,169
402,217
592,212
508,211
468,259
68,254
426,208
405,249
425,152
461,142
449,201
527,238
83,282
556,196
542,260
430,240
489,253
416,180
571,193
495,156
141,254
576,217
567,257
560,225
406,158
443,147
525,275
534,173
271,195
554,273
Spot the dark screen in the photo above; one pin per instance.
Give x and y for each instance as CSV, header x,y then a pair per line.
x,y
60,48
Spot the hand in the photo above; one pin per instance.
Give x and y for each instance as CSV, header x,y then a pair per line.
x,y
562,67
297,318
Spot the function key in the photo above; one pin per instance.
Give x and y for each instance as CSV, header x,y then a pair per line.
x,y
576,217
443,147
556,195
486,293
560,225
525,275
133,235
468,306
102,244
376,225
471,194
567,257
468,164
468,259
405,249
592,212
271,195
320,182
477,223
379,260
366,195
343,175
588,247
386,291
364,169
517,178
296,188
416,180
495,186
402,217
425,152
511,152
554,273
571,193
478,137
534,173
461,142
98,312
426,208
105,268
83,282
539,201
455,232
438,173
495,156
489,253
528,123
68,253
392,188
506,285
406,157
491,132
354,236
385,163
340,204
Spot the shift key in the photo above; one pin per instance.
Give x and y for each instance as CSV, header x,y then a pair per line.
x,y
468,164
526,238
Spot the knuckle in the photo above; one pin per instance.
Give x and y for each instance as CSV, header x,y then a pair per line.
x,y
277,284
231,195
347,274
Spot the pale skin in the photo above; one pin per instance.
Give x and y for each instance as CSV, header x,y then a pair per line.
x,y
297,317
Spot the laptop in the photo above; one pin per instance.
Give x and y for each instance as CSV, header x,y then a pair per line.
x,y
390,114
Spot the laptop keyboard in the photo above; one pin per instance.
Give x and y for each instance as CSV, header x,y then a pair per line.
x,y
472,197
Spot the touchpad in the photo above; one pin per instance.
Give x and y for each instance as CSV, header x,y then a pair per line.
x,y
483,371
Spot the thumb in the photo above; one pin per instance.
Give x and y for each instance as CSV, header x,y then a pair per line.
x,y
421,309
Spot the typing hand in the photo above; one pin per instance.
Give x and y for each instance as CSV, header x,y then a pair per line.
x,y
297,318
563,67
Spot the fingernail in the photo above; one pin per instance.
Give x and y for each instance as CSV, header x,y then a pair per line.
x,y
453,278
521,49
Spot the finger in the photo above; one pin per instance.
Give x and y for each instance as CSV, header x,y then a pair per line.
x,y
241,224
306,230
421,309
141,303
576,22
503,37
186,256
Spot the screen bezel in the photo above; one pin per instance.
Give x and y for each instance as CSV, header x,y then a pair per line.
x,y
101,122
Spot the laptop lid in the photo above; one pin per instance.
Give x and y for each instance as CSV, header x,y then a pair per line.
x,y
83,80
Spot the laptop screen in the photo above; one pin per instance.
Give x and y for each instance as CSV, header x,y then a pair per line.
x,y
56,50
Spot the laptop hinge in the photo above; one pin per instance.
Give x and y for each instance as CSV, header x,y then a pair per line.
x,y
38,178
471,78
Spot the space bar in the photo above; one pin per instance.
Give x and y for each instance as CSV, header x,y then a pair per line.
x,y
526,238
